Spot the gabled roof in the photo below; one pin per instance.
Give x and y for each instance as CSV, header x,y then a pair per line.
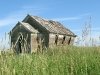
x,y
27,26
52,26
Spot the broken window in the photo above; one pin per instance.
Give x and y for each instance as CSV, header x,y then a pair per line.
x,y
63,39
69,41
56,39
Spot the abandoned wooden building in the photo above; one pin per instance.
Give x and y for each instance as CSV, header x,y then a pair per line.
x,y
35,32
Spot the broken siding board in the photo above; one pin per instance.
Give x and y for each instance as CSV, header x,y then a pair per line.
x,y
34,44
72,40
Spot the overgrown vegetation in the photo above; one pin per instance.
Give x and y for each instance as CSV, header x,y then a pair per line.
x,y
68,60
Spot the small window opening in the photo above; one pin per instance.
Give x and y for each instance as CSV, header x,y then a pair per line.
x,y
63,39
56,39
69,41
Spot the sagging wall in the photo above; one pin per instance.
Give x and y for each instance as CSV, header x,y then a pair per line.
x,y
57,39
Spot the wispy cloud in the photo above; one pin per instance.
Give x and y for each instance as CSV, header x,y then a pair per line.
x,y
76,30
35,8
16,16
7,21
97,29
71,18
11,18
67,18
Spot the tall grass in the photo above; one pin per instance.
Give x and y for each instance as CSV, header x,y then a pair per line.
x,y
68,60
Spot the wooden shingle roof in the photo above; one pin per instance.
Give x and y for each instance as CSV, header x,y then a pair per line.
x,y
53,26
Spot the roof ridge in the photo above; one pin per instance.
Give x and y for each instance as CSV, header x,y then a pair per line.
x,y
52,25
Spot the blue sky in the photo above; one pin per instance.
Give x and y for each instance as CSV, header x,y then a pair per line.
x,y
73,14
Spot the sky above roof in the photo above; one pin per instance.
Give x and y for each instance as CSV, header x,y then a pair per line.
x,y
73,14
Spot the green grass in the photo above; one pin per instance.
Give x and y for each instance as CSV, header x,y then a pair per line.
x,y
57,61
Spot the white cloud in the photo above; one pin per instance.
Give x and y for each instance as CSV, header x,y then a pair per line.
x,y
7,21
96,29
12,18
76,30
19,15
86,14
35,8
67,18
71,18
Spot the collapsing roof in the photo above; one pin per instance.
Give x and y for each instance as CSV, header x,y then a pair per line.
x,y
52,26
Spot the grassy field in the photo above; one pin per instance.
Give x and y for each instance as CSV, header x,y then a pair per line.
x,y
57,61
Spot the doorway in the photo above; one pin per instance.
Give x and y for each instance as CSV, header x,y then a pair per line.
x,y
20,44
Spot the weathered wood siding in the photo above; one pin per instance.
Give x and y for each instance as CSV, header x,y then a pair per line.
x,y
68,40
51,40
34,44
25,40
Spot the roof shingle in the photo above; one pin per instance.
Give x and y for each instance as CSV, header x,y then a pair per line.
x,y
53,26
